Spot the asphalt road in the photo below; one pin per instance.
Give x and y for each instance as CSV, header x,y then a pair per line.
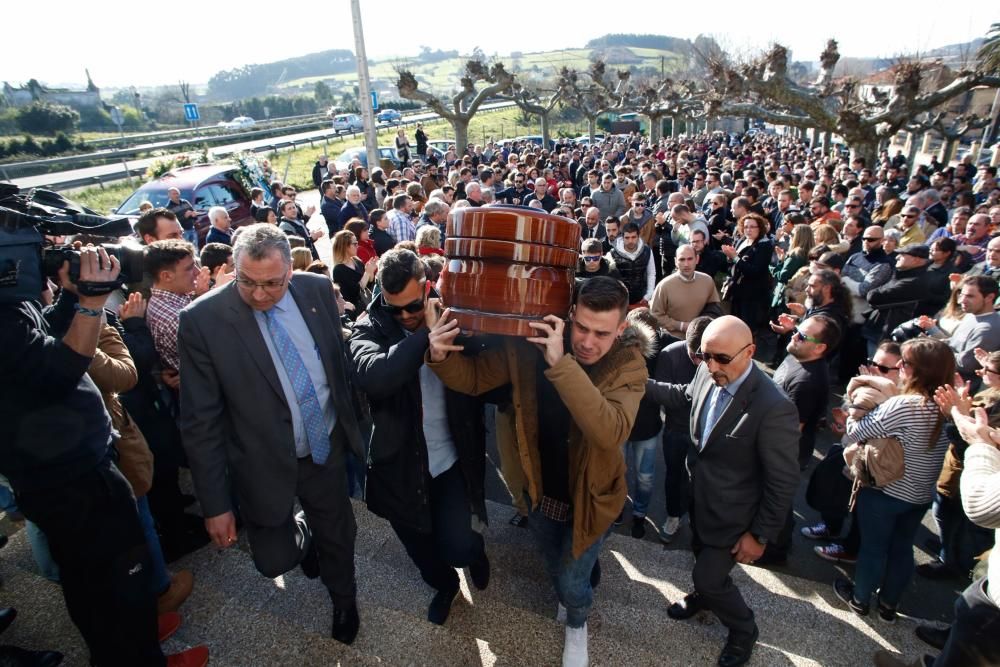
x,y
109,171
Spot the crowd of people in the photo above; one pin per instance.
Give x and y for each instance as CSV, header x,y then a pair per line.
x,y
729,289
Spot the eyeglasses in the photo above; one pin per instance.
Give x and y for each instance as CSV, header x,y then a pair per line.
x,y
800,336
637,204
910,215
269,286
987,369
721,359
880,367
903,363
592,258
871,238
412,308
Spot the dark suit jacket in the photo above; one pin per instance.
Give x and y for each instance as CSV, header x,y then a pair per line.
x,y
234,416
745,476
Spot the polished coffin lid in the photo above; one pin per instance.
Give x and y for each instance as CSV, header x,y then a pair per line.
x,y
508,266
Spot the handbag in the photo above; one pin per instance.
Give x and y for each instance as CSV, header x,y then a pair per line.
x,y
875,463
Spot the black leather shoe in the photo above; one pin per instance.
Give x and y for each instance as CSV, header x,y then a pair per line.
x,y
595,574
479,572
933,636
7,616
440,606
738,648
345,624
685,608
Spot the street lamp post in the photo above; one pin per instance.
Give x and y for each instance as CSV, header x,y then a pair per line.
x,y
364,87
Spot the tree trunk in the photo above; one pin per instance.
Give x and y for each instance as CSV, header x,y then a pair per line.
x,y
545,129
461,127
864,148
827,142
948,150
673,127
591,128
916,141
655,127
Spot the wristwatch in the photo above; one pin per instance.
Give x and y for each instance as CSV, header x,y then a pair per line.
x,y
760,539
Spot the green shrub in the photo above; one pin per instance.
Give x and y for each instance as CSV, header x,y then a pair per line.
x,y
44,118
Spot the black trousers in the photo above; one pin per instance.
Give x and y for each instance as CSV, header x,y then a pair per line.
x,y
974,640
715,586
327,519
677,482
97,541
452,543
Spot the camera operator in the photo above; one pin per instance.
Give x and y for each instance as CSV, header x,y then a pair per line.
x,y
57,453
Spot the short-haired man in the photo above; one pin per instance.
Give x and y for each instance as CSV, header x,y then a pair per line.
x,y
542,195
608,199
591,226
613,229
401,225
214,256
176,280
158,224
426,474
909,229
991,265
744,475
710,261
979,327
435,213
352,208
976,237
222,224
266,407
593,263
684,295
572,459
634,261
184,213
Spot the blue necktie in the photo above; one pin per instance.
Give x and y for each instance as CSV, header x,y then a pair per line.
x,y
715,409
305,392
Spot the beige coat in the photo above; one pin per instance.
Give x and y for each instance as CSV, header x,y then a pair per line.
x,y
602,400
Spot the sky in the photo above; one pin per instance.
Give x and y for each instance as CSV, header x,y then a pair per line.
x,y
137,43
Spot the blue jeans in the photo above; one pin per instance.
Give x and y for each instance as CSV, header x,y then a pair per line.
x,y
885,561
40,551
570,577
7,501
160,577
961,540
640,459
191,236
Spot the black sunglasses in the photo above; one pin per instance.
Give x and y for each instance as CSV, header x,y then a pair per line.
x,y
880,367
413,308
721,359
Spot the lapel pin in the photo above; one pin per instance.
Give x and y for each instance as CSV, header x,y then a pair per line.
x,y
314,309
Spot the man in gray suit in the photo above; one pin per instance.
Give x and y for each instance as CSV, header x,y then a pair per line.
x,y
744,472
265,405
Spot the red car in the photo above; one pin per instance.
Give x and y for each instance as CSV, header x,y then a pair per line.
x,y
205,186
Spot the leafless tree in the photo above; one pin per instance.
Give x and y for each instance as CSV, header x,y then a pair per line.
x,y
762,89
463,105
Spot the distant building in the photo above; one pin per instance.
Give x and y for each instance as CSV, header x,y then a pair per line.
x,y
33,91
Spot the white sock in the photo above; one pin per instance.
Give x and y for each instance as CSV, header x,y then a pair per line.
x,y
575,648
561,613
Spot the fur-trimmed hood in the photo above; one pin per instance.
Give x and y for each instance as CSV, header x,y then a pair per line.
x,y
640,336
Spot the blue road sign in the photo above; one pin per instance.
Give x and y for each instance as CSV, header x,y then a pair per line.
x,y
374,101
191,112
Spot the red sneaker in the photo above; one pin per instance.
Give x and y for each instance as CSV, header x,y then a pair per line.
x,y
167,624
193,657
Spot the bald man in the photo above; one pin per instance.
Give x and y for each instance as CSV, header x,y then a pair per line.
x,y
744,472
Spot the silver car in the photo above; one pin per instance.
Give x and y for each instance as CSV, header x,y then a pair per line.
x,y
347,122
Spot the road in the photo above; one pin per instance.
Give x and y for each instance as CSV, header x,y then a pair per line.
x,y
107,172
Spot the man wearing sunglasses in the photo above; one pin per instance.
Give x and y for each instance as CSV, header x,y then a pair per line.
x,y
426,471
744,473
265,405
575,406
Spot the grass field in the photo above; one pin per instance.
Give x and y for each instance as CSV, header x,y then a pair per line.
x,y
499,125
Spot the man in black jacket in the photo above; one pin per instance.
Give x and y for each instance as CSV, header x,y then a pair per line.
x,y
913,291
320,171
426,471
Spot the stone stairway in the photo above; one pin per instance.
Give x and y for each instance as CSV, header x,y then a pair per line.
x,y
247,620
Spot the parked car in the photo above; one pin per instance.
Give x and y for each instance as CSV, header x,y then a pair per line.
x,y
386,155
240,123
204,185
389,116
347,122
441,144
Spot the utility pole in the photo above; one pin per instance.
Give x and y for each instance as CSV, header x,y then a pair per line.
x,y
364,88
